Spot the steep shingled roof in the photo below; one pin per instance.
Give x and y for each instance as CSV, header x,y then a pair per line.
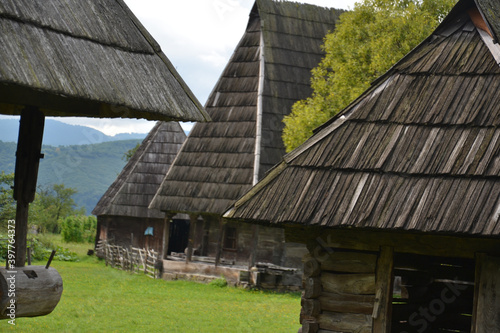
x,y
417,151
268,72
88,58
134,188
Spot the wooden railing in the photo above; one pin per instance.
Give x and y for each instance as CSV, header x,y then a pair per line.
x,y
129,259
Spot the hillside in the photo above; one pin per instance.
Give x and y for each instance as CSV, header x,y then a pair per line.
x,y
90,169
57,133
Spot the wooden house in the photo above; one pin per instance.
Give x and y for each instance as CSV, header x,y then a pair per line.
x,y
398,197
123,216
89,58
221,160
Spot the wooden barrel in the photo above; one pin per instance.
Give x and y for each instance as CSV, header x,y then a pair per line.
x,y
29,291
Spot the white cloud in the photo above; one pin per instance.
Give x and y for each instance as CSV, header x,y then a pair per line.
x,y
198,36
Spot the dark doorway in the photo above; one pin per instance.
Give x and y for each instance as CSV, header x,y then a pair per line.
x,y
179,234
432,294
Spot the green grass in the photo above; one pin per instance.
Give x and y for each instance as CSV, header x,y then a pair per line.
x,y
97,298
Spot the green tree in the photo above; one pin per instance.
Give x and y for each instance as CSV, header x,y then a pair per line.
x,y
367,41
51,205
7,202
129,153
79,229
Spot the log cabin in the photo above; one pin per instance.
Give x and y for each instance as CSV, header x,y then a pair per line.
x,y
268,71
87,58
123,216
397,198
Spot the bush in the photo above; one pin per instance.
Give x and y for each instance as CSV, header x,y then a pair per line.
x,y
220,282
79,229
41,250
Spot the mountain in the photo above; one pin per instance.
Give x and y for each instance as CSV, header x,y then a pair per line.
x,y
57,133
90,168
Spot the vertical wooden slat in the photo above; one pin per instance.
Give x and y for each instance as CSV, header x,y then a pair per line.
x,y
486,315
383,298
166,236
192,230
253,249
219,242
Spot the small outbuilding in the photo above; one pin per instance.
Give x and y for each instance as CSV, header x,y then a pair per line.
x,y
268,72
398,197
123,216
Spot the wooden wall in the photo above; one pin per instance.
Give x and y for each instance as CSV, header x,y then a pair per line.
x,y
339,291
118,230
410,284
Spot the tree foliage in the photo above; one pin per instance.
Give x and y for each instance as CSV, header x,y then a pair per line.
x,y
129,153
51,205
366,42
79,229
7,203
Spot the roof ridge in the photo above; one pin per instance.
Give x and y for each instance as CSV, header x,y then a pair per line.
x,y
42,26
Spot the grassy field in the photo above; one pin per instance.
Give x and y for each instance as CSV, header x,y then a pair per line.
x,y
97,298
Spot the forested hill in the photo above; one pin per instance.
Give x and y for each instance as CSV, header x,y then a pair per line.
x,y
57,133
90,169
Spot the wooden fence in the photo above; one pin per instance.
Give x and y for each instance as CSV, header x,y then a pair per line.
x,y
129,259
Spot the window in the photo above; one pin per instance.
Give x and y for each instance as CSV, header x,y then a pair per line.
x,y
230,238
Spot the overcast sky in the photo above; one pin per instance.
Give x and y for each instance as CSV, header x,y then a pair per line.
x,y
198,36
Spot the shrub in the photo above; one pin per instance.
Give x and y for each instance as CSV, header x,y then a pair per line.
x,y
220,282
41,250
79,229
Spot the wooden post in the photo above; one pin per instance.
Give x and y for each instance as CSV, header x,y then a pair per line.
x,y
383,291
192,230
166,236
219,242
255,243
29,146
486,312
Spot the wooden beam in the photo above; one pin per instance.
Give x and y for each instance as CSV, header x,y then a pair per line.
x,y
459,246
166,236
383,297
192,231
253,249
356,284
219,242
486,315
29,146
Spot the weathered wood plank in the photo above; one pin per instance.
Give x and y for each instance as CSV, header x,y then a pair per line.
x,y
312,267
358,284
487,299
312,287
371,240
346,303
345,322
350,262
383,299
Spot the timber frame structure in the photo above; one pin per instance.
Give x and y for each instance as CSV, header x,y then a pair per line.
x,y
398,197
268,72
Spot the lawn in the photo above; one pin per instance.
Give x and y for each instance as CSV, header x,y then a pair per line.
x,y
99,298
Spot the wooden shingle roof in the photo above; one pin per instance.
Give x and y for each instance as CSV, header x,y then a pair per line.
x,y
89,58
417,151
268,72
134,188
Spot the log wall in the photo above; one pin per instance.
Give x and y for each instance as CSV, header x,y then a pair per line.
x,y
339,291
118,230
